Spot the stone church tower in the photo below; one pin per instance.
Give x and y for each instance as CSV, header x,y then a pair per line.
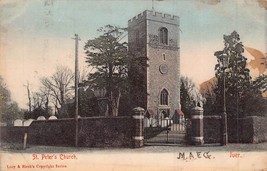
x,y
153,39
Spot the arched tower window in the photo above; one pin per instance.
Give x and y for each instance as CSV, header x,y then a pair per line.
x,y
164,97
163,35
164,57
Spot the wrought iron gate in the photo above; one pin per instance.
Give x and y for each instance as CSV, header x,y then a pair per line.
x,y
164,130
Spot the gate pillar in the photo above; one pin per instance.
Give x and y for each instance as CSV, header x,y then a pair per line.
x,y
197,126
138,137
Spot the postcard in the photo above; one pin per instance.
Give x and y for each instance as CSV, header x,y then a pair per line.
x,y
133,85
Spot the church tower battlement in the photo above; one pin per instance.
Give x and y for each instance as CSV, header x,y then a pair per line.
x,y
153,15
155,35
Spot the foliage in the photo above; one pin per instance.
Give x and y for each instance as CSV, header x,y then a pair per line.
x,y
207,91
259,85
189,95
9,109
255,103
29,96
137,79
87,105
109,59
240,90
40,101
38,111
58,86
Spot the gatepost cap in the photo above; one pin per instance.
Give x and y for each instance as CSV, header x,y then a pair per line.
x,y
138,110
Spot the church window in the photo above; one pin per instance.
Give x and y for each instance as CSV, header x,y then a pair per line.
x,y
164,97
164,57
163,34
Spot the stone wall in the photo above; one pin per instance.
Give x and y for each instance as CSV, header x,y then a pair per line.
x,y
59,132
251,129
212,129
107,132
93,132
12,134
254,129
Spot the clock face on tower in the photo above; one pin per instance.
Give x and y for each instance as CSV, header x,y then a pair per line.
x,y
163,68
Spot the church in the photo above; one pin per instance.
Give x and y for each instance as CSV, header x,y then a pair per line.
x,y
154,36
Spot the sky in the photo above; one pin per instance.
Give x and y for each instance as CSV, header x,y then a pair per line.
x,y
36,35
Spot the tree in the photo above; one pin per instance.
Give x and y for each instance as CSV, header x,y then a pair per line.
x,y
255,103
243,96
137,80
189,95
207,89
9,109
58,86
109,58
87,105
237,76
240,90
38,104
38,111
29,96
